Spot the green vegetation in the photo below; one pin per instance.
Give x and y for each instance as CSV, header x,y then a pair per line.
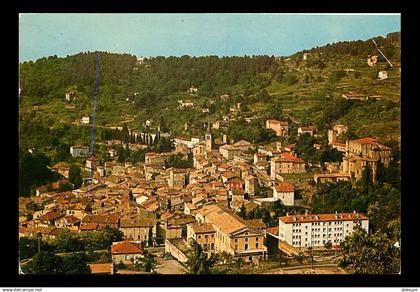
x,y
33,172
68,241
75,176
380,203
376,254
49,263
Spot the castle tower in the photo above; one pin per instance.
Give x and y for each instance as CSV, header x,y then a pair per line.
x,y
331,136
208,138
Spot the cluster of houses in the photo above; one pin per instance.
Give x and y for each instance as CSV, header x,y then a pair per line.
x,y
154,205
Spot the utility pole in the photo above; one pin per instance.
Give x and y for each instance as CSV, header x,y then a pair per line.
x,y
39,242
312,248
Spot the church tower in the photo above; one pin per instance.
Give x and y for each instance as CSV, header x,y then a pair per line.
x,y
208,137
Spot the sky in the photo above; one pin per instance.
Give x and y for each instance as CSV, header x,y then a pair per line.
x,y
149,35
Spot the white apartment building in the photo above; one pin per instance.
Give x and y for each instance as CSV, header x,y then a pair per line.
x,y
303,231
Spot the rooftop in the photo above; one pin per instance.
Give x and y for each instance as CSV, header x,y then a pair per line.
x,y
202,227
323,217
284,187
126,247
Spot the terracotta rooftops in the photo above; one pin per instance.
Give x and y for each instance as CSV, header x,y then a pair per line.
x,y
105,268
255,223
370,140
323,217
273,230
202,227
284,187
287,157
225,221
126,247
137,222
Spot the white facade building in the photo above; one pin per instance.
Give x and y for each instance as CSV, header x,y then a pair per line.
x,y
303,231
85,120
284,192
79,151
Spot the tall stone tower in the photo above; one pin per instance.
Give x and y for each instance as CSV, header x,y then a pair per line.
x,y
208,137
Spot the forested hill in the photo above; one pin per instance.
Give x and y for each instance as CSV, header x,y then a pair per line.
x,y
390,46
51,77
131,91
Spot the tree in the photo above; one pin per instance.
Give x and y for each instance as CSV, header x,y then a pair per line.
x,y
28,247
68,241
75,176
242,212
150,237
45,263
75,264
149,263
370,255
328,245
366,180
198,263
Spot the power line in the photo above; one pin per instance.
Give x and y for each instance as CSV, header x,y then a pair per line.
x,y
95,93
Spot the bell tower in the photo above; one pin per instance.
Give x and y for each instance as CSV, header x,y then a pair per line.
x,y
208,137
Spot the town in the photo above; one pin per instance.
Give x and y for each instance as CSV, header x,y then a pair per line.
x,y
212,165
169,210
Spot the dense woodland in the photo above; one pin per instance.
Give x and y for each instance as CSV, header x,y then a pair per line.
x,y
131,92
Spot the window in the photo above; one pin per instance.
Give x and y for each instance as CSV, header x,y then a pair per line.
x,y
256,238
246,238
199,236
256,245
236,240
246,246
250,258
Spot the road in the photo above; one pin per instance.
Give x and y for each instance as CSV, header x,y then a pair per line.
x,y
166,266
307,269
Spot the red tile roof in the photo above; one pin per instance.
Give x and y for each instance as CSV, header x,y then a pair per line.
x,y
370,140
88,226
289,157
105,268
273,230
323,217
284,187
202,227
126,247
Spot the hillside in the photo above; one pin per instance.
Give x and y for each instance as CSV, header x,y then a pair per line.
x,y
132,91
